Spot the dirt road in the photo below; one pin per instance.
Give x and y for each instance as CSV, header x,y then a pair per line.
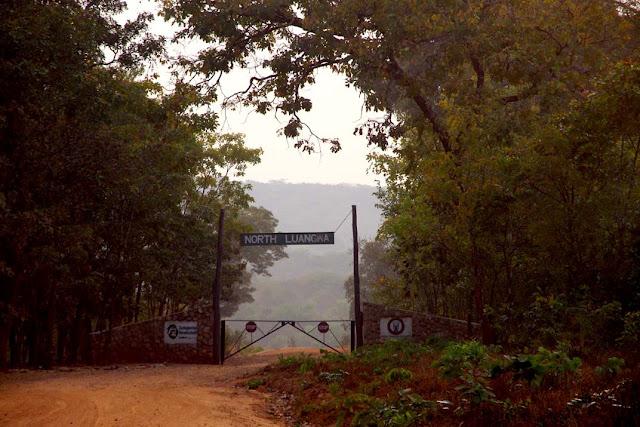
x,y
136,395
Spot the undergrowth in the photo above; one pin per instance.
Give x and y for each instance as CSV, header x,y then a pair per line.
x,y
401,383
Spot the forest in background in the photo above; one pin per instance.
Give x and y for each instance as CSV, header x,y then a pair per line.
x,y
511,194
309,283
110,187
510,127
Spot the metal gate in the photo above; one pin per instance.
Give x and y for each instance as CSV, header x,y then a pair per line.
x,y
268,239
251,327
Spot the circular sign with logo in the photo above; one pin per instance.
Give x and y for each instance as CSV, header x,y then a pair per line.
x,y
172,331
323,327
395,326
250,326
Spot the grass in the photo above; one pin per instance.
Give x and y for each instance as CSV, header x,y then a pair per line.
x,y
400,383
254,383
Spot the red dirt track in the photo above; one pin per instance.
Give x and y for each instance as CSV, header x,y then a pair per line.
x,y
138,395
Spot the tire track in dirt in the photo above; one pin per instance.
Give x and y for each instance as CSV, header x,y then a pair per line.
x,y
137,395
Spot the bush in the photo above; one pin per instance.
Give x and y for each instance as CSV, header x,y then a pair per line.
x,y
307,363
545,364
545,320
398,374
469,362
460,358
612,368
409,409
288,361
255,383
476,389
333,357
631,332
391,353
603,325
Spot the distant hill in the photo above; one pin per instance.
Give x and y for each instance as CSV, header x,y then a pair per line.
x,y
319,207
310,283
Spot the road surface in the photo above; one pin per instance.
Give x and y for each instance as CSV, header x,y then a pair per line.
x,y
136,395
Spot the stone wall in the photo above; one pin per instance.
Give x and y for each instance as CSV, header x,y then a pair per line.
x,y
423,325
143,342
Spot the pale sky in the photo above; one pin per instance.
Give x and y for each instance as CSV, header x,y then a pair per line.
x,y
337,110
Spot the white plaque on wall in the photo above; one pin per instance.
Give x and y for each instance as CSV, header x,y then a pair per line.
x,y
395,327
176,332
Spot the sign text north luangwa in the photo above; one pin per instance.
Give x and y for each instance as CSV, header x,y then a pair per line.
x,y
265,239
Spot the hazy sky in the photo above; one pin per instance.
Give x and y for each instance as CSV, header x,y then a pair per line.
x,y
337,110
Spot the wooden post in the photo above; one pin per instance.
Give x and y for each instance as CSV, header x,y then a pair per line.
x,y
356,278
353,336
223,337
217,360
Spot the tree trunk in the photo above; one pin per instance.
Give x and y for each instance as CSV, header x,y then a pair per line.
x,y
136,309
5,332
63,333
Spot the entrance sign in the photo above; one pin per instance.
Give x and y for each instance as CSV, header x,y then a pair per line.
x,y
284,239
180,332
280,239
396,327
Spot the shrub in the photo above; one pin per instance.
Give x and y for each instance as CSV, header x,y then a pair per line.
x,y
255,383
469,362
397,374
309,408
333,357
408,409
534,368
370,388
307,363
545,320
288,361
391,353
476,389
437,342
460,358
604,323
631,332
611,368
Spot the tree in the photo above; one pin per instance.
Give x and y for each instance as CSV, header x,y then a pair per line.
x,y
109,186
545,225
428,65
55,86
486,202
379,282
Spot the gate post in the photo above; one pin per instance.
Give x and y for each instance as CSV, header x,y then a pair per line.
x,y
216,294
353,335
223,336
356,278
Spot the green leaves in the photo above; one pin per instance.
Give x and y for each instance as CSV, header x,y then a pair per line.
x,y
109,186
395,375
460,357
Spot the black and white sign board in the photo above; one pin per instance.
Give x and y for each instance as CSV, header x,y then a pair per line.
x,y
180,332
279,239
396,327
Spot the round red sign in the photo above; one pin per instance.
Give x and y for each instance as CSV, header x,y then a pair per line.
x,y
323,327
250,326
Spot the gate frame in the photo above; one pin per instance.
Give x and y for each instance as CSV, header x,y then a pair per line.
x,y
218,324
223,356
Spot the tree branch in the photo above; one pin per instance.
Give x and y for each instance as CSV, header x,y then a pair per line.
x,y
477,67
427,110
